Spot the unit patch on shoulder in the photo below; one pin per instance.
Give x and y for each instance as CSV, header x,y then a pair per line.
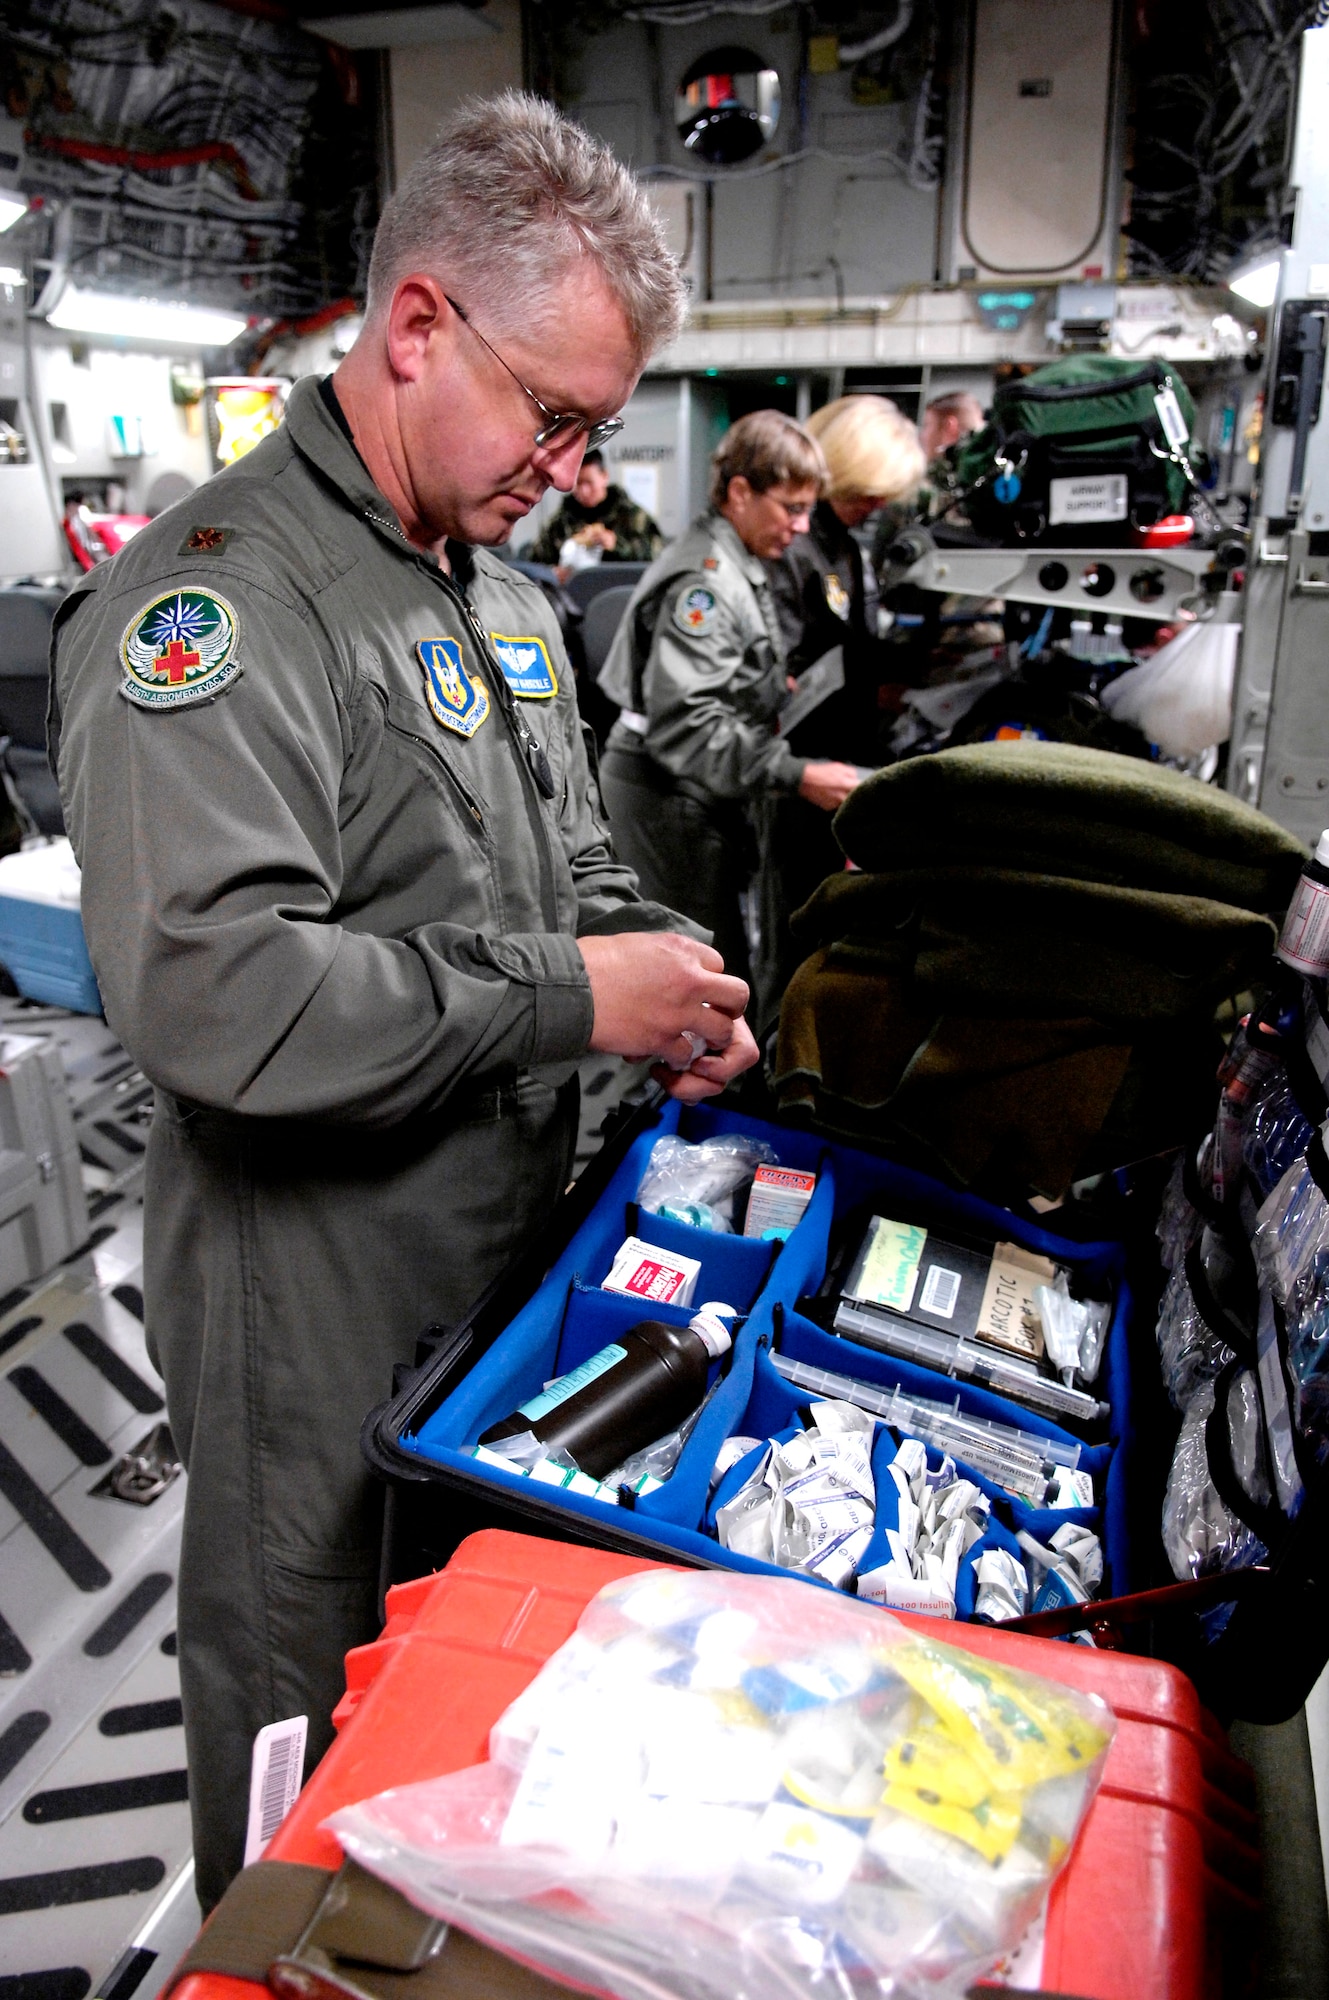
x,y
526,665
204,542
180,649
694,612
458,702
837,597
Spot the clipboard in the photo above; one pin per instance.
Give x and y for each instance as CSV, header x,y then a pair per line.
x,y
823,678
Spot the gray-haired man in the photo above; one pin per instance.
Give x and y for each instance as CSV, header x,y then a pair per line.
x,y
348,892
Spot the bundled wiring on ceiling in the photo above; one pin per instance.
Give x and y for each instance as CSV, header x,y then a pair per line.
x,y
1213,82
223,156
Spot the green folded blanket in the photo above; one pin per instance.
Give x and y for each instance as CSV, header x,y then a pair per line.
x,y
993,942
1056,808
1020,1103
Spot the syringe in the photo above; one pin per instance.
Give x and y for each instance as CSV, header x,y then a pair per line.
x,y
964,1358
1017,1460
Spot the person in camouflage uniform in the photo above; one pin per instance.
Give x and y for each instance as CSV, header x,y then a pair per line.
x,y
599,515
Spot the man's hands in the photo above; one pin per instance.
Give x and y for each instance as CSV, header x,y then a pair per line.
x,y
652,990
827,785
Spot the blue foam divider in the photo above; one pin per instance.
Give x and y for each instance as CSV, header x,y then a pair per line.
x,y
569,1318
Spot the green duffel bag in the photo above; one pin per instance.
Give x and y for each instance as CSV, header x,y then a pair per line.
x,y
1079,454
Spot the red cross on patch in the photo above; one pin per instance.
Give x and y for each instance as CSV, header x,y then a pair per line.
x,y
176,658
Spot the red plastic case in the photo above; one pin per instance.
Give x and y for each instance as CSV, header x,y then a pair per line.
x,y
1157,1902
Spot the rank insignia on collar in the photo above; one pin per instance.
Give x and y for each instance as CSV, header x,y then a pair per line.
x,y
179,649
837,597
694,612
710,562
526,665
458,702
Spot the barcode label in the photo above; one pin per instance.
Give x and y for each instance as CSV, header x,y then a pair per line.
x,y
274,1780
941,1289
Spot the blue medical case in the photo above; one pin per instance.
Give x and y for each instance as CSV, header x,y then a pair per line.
x,y
549,1314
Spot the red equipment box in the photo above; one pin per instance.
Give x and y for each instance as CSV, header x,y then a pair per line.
x,y
1157,1902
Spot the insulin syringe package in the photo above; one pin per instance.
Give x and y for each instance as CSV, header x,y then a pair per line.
x,y
730,1787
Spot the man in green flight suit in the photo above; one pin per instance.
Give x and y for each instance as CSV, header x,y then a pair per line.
x,y
598,515
349,893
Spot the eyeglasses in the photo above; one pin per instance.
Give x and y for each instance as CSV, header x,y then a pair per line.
x,y
795,510
558,429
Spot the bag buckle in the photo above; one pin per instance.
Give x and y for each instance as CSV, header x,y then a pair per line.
x,y
360,1923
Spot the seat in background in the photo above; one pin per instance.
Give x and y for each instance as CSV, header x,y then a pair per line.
x,y
603,616
26,614
584,586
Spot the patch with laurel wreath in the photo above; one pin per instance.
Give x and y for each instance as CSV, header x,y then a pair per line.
x,y
180,649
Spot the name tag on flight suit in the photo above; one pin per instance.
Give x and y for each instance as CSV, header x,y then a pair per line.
x,y
526,665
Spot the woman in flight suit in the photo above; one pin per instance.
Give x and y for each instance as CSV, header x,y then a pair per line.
x,y
698,672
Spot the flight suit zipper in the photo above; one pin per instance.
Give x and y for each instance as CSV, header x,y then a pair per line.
x,y
436,757
539,781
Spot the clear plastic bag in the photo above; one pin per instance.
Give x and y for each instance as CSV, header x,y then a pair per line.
x,y
741,1788
1073,1330
1181,699
697,1183
1200,1533
1190,1353
651,1466
1292,1235
1179,1225
1292,1250
1275,1134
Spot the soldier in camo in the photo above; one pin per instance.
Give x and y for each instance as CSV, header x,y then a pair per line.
x,y
599,515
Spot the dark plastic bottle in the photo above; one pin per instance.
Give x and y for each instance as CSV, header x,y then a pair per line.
x,y
1304,943
629,1394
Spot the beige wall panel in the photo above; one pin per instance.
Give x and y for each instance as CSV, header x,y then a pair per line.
x,y
427,83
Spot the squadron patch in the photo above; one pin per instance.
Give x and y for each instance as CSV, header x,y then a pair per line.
x,y
458,702
526,665
695,611
180,649
837,597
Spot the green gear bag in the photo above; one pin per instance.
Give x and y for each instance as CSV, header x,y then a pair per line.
x,y
1089,416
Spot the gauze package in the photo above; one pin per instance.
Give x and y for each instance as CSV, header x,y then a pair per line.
x,y
734,1788
811,1502
930,1521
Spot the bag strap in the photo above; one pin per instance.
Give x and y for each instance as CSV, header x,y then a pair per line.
x,y
1223,1324
1079,392
264,1911
311,1935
